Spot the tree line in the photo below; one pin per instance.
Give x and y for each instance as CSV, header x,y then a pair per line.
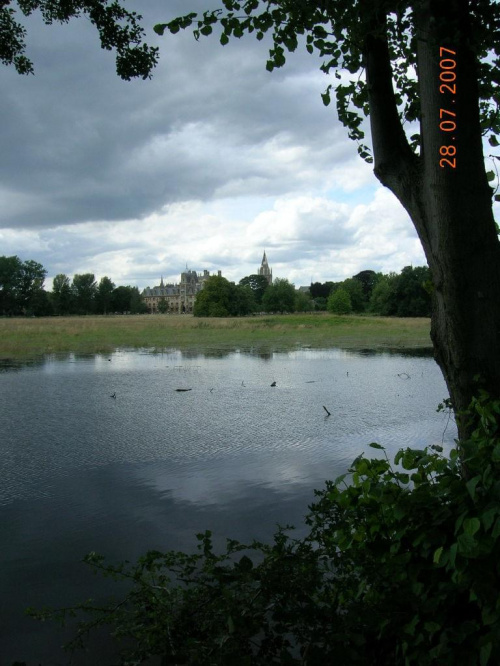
x,y
407,294
22,292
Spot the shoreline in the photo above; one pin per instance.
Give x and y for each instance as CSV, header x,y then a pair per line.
x,y
25,338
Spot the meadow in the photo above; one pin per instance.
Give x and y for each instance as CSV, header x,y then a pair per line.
x,y
31,337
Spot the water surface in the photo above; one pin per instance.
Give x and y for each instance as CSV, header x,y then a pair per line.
x,y
151,467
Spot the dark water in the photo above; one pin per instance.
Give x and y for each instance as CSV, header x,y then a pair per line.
x,y
82,471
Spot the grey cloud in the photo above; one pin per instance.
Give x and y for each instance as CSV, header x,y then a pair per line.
x,y
71,134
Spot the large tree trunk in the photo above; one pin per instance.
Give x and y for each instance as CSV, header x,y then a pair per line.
x,y
450,204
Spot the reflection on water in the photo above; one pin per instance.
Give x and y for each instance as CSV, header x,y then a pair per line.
x,y
84,471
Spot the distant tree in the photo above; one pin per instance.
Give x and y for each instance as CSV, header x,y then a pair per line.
x,y
321,290
104,295
61,296
84,289
10,277
382,300
320,303
258,284
355,290
339,302
215,299
21,287
32,277
413,298
279,296
303,302
137,305
244,300
368,279
162,305
221,298
121,299
40,304
403,295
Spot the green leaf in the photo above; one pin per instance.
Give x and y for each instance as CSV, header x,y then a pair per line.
x,y
437,555
471,486
466,544
340,478
453,554
496,530
224,39
484,654
471,526
432,627
411,626
493,141
374,445
159,28
489,616
487,517
490,175
245,564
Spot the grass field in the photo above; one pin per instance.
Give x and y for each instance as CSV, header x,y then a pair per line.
x,y
27,338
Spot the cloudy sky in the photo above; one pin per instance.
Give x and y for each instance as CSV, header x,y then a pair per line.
x,y
206,165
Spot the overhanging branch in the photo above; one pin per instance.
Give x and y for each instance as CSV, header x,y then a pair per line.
x,y
392,152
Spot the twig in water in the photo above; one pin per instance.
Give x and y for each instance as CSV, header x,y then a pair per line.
x,y
327,412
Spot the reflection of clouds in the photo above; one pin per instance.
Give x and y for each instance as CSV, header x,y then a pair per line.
x,y
231,434
231,480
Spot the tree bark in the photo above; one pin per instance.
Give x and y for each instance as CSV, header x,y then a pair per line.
x,y
450,203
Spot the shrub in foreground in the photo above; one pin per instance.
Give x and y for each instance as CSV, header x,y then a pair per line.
x,y
401,566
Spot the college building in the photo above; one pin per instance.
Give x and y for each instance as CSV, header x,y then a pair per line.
x,y
178,298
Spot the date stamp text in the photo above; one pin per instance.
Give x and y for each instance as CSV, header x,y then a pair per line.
x,y
447,117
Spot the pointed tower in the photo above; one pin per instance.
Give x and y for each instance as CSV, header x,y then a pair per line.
x,y
265,270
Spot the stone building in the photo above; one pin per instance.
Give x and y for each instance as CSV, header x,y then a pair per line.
x,y
178,298
265,270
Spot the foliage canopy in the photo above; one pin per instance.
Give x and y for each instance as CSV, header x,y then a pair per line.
x,y
118,29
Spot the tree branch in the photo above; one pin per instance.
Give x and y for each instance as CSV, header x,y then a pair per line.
x,y
392,152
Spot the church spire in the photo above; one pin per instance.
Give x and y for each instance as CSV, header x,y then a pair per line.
x,y
265,270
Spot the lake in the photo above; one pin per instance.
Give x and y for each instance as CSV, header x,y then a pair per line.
x,y
83,471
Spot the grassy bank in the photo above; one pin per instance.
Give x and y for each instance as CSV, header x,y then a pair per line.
x,y
25,338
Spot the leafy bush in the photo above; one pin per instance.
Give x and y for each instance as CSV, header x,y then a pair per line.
x,y
339,302
401,566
